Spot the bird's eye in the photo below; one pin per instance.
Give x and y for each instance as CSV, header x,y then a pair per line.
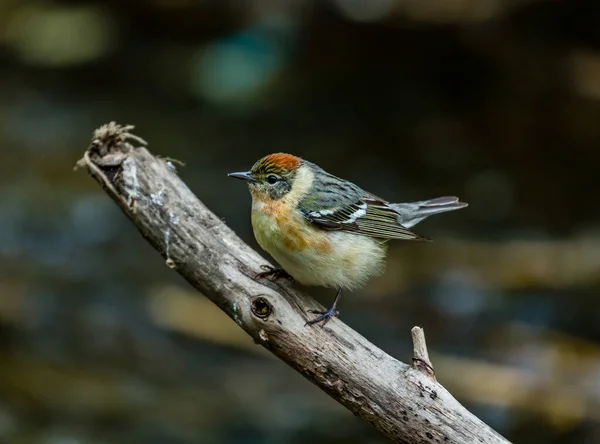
x,y
272,179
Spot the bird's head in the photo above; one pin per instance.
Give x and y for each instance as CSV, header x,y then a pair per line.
x,y
271,177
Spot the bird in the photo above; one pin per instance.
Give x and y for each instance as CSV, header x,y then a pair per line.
x,y
326,231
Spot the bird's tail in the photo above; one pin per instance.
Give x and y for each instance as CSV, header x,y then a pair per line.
x,y
412,213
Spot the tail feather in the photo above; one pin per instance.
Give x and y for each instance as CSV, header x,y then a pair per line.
x,y
411,213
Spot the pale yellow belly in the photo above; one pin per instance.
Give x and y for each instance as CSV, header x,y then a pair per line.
x,y
323,258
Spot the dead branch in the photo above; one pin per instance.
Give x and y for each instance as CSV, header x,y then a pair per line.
x,y
404,403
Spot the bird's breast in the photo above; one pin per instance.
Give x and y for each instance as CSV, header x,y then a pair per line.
x,y
277,226
311,255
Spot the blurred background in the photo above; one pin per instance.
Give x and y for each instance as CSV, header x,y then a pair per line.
x,y
495,101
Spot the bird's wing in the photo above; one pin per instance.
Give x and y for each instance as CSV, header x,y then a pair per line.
x,y
358,212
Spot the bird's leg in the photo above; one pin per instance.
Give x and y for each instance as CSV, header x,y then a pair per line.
x,y
273,273
326,315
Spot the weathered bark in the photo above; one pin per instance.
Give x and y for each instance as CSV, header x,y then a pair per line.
x,y
403,402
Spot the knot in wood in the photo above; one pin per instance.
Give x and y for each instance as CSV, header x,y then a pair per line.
x,y
261,307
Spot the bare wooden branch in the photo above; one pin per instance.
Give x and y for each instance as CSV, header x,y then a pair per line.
x,y
401,402
421,359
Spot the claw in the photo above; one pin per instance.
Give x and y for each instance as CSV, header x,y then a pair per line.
x,y
273,273
324,317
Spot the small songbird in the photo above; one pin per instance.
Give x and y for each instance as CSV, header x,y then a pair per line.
x,y
323,230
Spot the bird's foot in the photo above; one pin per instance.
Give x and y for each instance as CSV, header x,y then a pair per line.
x,y
324,316
273,273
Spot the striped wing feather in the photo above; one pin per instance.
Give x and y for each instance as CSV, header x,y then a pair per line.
x,y
381,221
369,217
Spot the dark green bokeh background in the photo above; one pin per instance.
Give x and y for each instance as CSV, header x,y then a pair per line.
x,y
497,102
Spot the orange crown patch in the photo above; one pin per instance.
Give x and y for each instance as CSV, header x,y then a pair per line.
x,y
277,161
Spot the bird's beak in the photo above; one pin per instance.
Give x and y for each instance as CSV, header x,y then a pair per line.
x,y
247,176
